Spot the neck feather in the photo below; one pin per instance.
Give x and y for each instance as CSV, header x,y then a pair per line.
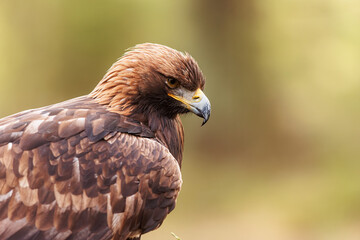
x,y
171,133
118,88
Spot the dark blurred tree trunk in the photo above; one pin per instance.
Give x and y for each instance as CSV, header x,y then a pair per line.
x,y
229,32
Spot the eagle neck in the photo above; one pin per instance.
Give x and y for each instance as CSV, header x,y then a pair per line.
x,y
170,132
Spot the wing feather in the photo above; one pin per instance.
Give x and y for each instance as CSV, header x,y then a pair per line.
x,y
76,170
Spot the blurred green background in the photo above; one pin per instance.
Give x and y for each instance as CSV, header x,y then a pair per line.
x,y
279,158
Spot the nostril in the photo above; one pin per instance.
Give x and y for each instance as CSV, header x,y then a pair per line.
x,y
195,97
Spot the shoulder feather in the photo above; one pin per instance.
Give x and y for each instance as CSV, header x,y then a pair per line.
x,y
75,169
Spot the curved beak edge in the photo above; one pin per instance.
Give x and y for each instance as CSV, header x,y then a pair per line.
x,y
196,102
201,108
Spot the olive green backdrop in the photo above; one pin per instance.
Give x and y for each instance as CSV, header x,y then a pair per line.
x,y
280,156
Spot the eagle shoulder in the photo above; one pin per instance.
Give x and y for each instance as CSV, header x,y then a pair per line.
x,y
74,169
148,183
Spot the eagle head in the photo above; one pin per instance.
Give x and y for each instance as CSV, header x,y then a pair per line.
x,y
154,79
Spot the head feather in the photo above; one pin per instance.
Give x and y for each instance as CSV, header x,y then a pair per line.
x,y
140,73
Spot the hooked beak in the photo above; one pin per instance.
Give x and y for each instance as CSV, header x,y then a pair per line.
x,y
196,102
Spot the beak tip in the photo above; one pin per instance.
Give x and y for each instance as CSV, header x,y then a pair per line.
x,y
206,118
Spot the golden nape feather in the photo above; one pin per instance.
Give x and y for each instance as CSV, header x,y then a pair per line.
x,y
105,165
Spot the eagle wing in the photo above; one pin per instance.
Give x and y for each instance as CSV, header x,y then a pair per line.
x,y
75,170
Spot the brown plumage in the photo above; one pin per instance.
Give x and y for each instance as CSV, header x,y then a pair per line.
x,y
105,165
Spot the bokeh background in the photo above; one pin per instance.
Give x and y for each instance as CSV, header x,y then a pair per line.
x,y
280,156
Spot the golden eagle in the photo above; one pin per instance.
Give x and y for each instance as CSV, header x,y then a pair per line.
x,y
105,165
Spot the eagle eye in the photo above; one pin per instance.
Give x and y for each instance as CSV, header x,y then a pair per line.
x,y
172,83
